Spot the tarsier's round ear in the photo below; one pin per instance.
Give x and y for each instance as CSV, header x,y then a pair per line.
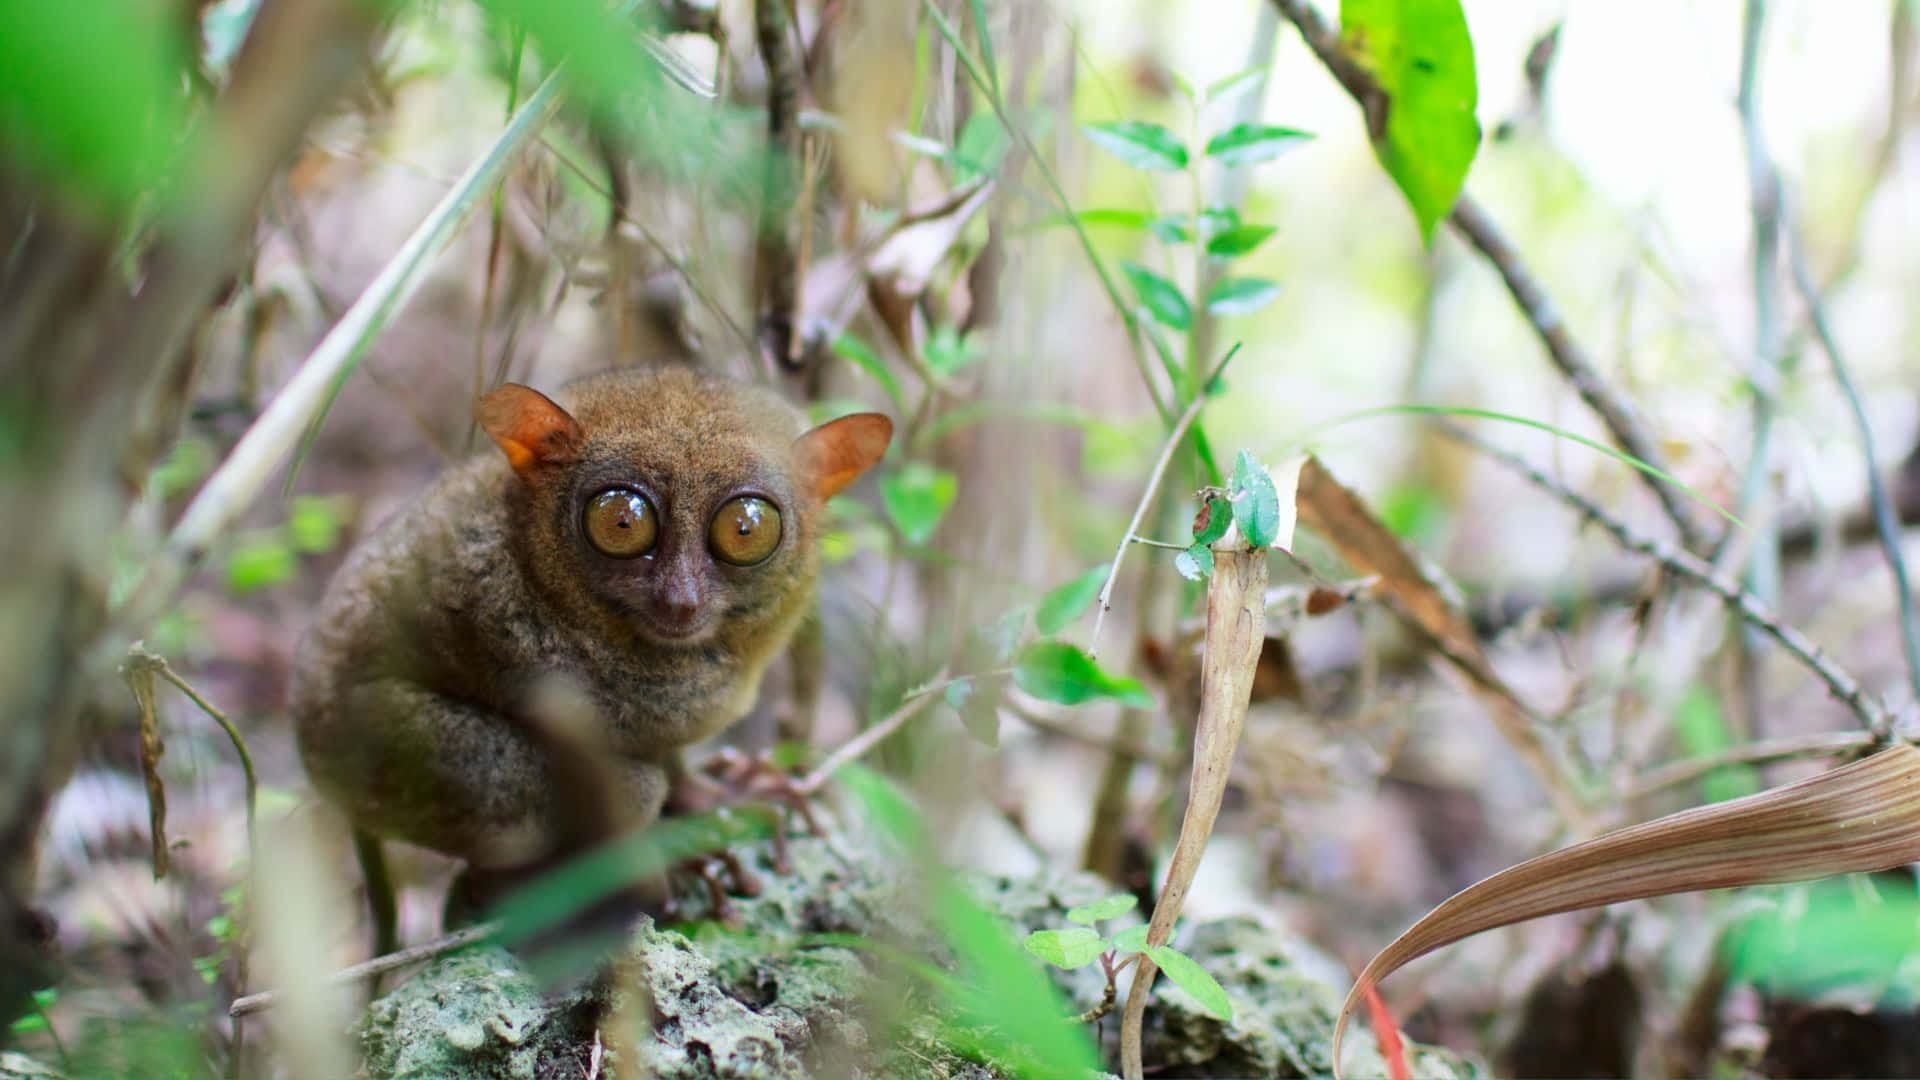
x,y
833,455
529,428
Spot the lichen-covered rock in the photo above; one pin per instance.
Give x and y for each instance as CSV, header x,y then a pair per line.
x,y
816,978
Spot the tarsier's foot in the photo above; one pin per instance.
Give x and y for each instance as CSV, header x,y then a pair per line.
x,y
731,778
719,876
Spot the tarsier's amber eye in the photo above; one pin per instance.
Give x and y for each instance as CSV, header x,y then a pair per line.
x,y
621,522
745,531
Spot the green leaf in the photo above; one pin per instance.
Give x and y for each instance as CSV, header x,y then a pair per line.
x,y
917,496
1073,947
92,95
861,355
1194,979
1236,84
1195,563
1161,297
948,350
1246,144
1239,240
1256,506
1061,606
1211,522
314,523
981,146
1143,146
1058,672
1421,54
1125,219
1132,939
1238,296
999,990
260,562
1117,904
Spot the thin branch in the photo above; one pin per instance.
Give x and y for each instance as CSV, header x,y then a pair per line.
x,y
1174,440
1113,744
1885,520
1765,368
306,396
379,965
1472,222
1784,748
1872,714
775,269
855,748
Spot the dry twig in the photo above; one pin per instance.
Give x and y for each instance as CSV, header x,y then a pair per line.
x,y
379,965
1871,712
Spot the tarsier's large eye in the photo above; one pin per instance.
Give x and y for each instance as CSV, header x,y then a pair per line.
x,y
621,522
745,531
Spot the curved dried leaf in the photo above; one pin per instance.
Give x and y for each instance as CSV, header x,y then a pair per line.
x,y
1857,818
1329,508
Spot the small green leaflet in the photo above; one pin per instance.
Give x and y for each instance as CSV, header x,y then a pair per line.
x,y
1238,296
314,523
1256,506
1132,939
1125,219
1107,908
1194,979
1421,53
948,350
917,496
1194,563
1058,672
1218,219
1238,240
1061,606
1211,522
261,561
1073,947
1246,144
1143,146
1161,297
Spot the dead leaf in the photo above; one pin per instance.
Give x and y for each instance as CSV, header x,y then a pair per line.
x,y
1339,515
1861,817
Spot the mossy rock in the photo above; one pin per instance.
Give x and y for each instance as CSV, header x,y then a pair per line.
x,y
810,980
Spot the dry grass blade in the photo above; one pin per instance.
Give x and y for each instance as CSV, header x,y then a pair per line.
x,y
1236,629
1861,817
1339,515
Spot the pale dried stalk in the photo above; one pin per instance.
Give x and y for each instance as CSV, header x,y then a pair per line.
x,y
379,965
1858,818
1236,628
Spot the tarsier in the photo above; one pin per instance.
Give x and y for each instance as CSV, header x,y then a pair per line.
x,y
650,539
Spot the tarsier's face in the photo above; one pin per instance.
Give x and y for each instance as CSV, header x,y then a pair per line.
x,y
678,550
679,501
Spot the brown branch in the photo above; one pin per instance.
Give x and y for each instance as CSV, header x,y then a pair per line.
x,y
1872,714
775,268
1473,223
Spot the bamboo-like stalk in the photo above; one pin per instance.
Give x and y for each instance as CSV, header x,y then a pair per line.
x,y
232,487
